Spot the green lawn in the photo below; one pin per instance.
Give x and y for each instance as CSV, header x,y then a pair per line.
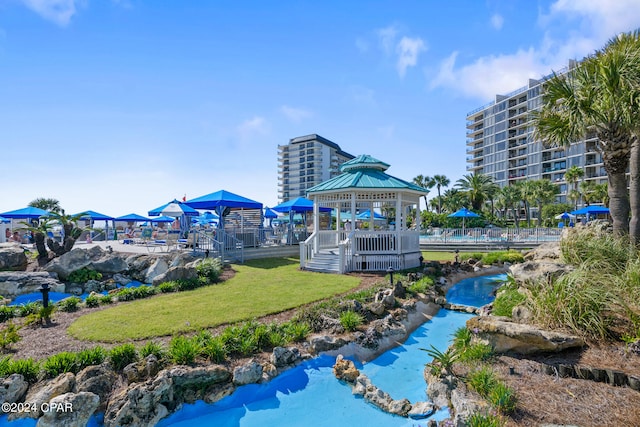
x,y
444,256
260,287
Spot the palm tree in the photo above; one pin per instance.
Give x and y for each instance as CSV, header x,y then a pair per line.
x,y
600,193
425,182
440,181
452,200
588,190
526,190
572,176
510,196
544,192
492,191
50,205
476,186
598,96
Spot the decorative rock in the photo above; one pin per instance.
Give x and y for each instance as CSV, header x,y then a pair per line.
x,y
326,343
284,356
269,371
159,267
465,405
376,308
63,383
345,370
439,388
249,373
74,410
93,286
12,257
94,258
14,283
421,410
546,251
386,298
185,377
175,273
634,382
97,379
13,388
521,314
399,290
531,271
504,336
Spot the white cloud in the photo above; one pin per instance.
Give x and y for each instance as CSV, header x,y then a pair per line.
x,y
497,21
573,29
295,114
387,38
57,11
408,50
252,127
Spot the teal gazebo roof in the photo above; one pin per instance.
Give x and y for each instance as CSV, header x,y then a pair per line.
x,y
365,172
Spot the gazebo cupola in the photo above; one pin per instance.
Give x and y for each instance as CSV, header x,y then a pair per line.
x,y
358,196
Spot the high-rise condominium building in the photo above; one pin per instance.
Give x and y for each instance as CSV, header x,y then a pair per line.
x,y
307,161
500,143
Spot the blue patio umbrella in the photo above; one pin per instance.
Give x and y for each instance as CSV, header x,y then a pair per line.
x,y
132,218
587,210
29,212
463,213
93,216
163,218
4,219
367,215
300,204
221,202
269,213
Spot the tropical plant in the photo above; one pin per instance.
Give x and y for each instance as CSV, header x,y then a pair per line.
x,y
452,200
510,196
9,336
89,357
70,231
544,192
476,186
28,368
503,398
92,301
485,420
427,183
152,347
60,363
587,191
572,176
210,269
83,275
599,95
47,204
526,191
439,182
184,350
69,304
442,362
350,320
122,356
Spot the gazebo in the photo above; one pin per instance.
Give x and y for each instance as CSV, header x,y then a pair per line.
x,y
363,185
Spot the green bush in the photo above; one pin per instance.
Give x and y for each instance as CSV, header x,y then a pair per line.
x,y
60,363
122,356
511,256
296,332
478,352
485,420
248,345
106,299
461,338
92,301
9,335
29,308
154,348
69,304
143,291
503,398
7,312
83,275
442,362
482,380
183,350
90,357
210,269
598,250
421,286
167,287
125,294
350,320
28,368
508,297
215,350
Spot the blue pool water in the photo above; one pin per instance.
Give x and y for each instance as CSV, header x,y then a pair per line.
x,y
54,297
309,394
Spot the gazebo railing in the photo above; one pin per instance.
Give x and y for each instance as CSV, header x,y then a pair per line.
x,y
307,250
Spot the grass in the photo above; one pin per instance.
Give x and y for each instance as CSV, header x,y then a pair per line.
x,y
260,287
444,256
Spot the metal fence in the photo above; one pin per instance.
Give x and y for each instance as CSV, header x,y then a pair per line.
x,y
490,235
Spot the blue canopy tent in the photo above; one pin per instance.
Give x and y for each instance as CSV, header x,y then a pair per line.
x,y
25,213
93,216
589,210
162,219
270,215
205,219
463,213
177,209
132,218
2,219
222,202
297,205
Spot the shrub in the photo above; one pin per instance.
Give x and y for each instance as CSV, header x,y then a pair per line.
x,y
143,291
461,338
503,398
154,348
9,336
90,357
83,275
184,350
599,250
215,350
248,345
7,312
189,284
478,352
28,368
106,299
167,287
421,285
508,297
125,294
350,320
485,420
442,362
295,331
210,269
482,381
92,301
122,356
60,363
29,308
511,256
69,304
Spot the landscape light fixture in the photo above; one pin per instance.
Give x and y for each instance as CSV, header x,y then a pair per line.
x,y
390,271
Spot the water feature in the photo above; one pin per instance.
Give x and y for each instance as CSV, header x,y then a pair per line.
x,y
309,394
55,297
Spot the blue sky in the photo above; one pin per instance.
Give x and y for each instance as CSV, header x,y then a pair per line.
x,y
120,106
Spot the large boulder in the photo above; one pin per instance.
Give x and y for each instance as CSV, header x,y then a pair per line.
x,y
12,257
176,273
505,335
63,383
13,388
94,258
14,283
160,266
248,373
284,356
69,410
97,379
532,271
466,404
548,251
